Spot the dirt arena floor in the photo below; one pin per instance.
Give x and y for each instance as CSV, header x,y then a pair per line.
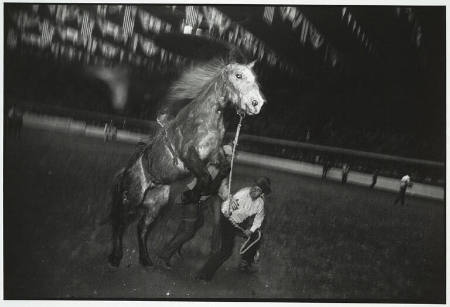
x,y
323,241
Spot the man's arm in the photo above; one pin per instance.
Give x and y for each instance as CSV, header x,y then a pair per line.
x,y
259,218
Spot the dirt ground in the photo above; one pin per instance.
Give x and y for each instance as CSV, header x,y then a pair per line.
x,y
323,241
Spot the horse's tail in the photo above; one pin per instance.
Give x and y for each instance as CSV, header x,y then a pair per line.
x,y
115,198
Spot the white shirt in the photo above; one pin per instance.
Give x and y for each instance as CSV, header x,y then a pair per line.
x,y
405,181
247,207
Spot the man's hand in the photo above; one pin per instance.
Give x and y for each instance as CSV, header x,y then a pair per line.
x,y
247,232
224,171
227,213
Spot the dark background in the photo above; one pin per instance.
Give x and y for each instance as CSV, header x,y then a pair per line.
x,y
390,99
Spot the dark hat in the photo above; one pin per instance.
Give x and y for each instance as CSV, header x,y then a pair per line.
x,y
264,184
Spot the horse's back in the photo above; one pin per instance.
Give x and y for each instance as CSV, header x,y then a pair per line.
x,y
163,162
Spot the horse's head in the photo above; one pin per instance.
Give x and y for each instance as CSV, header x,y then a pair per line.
x,y
243,89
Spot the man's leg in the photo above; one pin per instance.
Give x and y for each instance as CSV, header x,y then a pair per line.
x,y
402,196
399,195
214,203
185,231
213,263
247,259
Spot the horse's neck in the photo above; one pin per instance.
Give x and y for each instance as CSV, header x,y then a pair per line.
x,y
205,110
213,97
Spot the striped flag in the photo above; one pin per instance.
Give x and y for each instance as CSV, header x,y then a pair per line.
x,y
191,15
47,32
87,26
128,21
12,39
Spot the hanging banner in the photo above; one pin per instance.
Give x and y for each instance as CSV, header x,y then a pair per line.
x,y
68,14
148,46
316,38
215,19
47,31
87,26
191,15
268,14
24,21
92,46
416,31
109,50
152,23
11,40
70,34
128,21
108,28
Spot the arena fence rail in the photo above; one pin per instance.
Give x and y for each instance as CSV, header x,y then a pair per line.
x,y
80,127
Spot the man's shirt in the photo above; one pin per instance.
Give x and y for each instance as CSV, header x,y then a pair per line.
x,y
247,207
405,181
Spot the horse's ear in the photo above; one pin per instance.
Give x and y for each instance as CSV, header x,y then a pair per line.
x,y
251,64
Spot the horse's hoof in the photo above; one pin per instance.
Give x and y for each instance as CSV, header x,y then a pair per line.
x,y
179,254
114,261
203,278
164,263
145,261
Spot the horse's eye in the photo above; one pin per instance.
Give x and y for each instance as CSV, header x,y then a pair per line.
x,y
239,76
254,103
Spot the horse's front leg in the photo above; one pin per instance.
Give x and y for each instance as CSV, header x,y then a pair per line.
x,y
154,200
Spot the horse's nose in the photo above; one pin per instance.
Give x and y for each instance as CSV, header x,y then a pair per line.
x,y
254,102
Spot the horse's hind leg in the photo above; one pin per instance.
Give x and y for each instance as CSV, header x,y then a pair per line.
x,y
123,212
154,200
121,217
116,255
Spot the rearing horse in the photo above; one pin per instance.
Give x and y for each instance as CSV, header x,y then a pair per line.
x,y
184,146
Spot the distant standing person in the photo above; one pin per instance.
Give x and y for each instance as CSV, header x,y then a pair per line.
x,y
110,131
15,121
326,168
374,178
405,182
113,132
106,132
345,171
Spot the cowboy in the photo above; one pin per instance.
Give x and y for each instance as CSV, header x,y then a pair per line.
x,y
191,215
345,171
106,132
15,121
374,178
247,202
405,182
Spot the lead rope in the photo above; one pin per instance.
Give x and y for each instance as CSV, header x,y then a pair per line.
x,y
235,142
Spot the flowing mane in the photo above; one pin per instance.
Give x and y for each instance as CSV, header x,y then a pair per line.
x,y
190,84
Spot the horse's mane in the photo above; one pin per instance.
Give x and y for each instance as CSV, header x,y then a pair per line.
x,y
189,85
192,81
